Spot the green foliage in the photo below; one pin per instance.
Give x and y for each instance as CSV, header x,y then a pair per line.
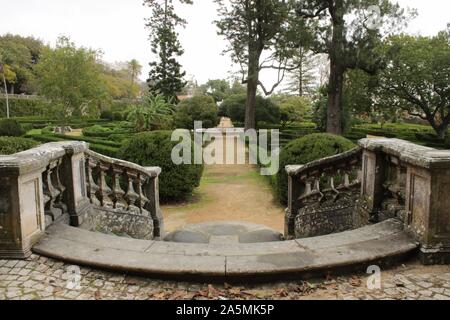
x,y
292,108
25,107
19,55
107,115
153,113
416,78
11,127
266,110
103,131
72,79
198,108
11,145
155,149
166,77
305,150
218,89
320,113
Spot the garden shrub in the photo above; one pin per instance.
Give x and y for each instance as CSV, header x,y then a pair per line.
x,y
155,149
198,108
24,107
306,149
117,116
266,110
107,115
11,127
11,145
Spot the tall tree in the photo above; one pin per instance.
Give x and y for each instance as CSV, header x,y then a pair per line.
x,y
257,30
20,54
302,79
135,70
417,78
348,31
71,78
166,76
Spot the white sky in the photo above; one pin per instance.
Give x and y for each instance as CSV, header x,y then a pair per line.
x,y
117,28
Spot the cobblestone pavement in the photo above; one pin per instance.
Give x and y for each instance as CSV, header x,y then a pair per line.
x,y
43,278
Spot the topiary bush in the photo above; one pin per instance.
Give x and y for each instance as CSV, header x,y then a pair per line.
x,y
198,108
11,145
107,115
11,128
306,149
234,107
155,149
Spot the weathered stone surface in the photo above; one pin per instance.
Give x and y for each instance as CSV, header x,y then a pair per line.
x,y
299,257
204,232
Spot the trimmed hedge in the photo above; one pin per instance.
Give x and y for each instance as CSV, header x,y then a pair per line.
x,y
24,107
307,149
155,149
11,145
11,128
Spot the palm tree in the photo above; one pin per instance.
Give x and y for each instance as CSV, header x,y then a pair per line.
x,y
3,71
135,70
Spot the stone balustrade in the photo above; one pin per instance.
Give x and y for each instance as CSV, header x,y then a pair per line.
x,y
412,183
322,196
65,181
397,179
125,196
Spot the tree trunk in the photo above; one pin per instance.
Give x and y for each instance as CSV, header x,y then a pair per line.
x,y
337,69
442,131
300,70
334,111
252,86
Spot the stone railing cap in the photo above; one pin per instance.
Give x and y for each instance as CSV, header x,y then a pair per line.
x,y
150,171
409,152
39,157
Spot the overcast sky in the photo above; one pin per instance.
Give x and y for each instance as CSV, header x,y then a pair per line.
x,y
117,28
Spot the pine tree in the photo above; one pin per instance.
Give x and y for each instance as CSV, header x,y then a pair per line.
x,y
166,76
301,78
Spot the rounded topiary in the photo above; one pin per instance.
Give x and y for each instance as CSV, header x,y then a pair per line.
x,y
11,128
11,145
234,107
155,149
198,108
306,149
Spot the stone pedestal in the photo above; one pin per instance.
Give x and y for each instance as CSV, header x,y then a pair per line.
x,y
22,220
427,191
372,182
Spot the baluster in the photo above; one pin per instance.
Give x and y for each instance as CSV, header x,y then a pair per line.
x,y
118,193
92,187
131,196
56,181
143,200
346,180
104,191
51,193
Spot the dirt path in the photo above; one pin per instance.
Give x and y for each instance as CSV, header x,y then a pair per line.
x,y
228,193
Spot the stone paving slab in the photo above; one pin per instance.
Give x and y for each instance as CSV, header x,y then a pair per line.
x,y
39,277
74,245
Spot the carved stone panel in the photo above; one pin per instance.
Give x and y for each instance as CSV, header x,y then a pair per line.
x,y
419,205
443,216
30,208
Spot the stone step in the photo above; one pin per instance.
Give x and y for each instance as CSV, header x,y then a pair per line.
x,y
376,244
